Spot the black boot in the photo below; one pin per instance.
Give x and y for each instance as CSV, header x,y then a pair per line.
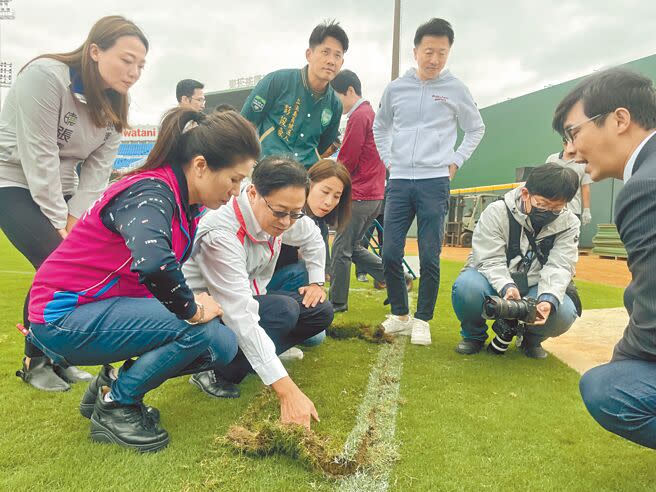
x,y
212,385
104,379
72,374
469,346
340,308
534,351
41,375
126,425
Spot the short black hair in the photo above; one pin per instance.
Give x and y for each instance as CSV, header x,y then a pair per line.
x,y
276,172
221,108
345,79
434,27
186,87
329,28
604,92
553,182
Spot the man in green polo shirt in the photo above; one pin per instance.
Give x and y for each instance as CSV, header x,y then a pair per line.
x,y
296,112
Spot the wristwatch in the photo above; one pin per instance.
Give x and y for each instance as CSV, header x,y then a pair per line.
x,y
320,284
201,308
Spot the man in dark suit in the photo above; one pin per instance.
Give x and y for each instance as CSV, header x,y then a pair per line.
x,y
609,120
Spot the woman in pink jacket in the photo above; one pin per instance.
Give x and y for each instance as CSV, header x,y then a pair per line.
x,y
114,289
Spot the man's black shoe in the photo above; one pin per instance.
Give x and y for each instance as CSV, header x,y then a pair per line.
x,y
41,375
340,308
72,374
469,346
212,385
104,379
126,425
535,352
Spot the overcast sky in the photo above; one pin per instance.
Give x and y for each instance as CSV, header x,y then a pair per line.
x,y
501,50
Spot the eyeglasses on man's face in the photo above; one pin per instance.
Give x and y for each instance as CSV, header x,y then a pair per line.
x,y
281,214
570,135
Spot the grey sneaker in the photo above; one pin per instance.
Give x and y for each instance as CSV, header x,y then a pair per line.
x,y
362,277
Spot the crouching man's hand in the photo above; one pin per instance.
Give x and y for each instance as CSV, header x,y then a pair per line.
x,y
544,310
312,294
295,407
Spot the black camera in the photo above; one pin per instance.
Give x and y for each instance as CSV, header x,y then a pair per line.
x,y
510,316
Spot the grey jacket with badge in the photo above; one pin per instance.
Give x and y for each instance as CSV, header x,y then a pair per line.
x,y
490,241
45,131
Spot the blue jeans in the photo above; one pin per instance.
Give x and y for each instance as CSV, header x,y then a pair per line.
x,y
119,328
289,279
621,397
468,293
428,200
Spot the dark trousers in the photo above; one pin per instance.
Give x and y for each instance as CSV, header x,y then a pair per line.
x,y
31,233
428,200
347,248
287,322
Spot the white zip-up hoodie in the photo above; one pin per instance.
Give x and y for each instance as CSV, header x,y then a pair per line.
x,y
416,125
490,242
234,259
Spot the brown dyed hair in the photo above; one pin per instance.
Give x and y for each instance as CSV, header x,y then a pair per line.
x,y
328,168
223,139
107,106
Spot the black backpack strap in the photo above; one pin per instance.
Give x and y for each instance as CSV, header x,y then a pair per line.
x,y
513,249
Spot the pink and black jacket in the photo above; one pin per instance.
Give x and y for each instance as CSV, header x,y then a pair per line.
x,y
130,243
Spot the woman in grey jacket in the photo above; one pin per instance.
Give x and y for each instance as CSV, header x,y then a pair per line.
x,y
64,109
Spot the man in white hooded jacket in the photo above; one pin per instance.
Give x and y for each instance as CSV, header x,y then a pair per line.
x,y
538,211
415,132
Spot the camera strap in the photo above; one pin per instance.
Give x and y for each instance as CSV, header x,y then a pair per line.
x,y
514,249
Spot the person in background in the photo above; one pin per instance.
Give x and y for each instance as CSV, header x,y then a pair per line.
x,y
65,110
580,204
296,112
190,95
359,155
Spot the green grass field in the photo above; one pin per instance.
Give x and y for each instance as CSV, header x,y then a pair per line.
x,y
464,423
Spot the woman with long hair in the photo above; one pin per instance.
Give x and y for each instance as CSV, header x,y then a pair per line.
x,y
114,288
64,109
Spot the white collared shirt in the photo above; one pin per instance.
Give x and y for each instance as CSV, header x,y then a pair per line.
x,y
234,260
628,169
355,106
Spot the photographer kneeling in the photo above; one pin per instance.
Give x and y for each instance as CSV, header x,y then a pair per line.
x,y
523,246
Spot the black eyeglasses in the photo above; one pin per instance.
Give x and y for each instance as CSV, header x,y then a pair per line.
x,y
281,214
555,212
568,137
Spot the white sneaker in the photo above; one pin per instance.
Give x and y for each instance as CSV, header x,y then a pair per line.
x,y
393,325
293,353
420,332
